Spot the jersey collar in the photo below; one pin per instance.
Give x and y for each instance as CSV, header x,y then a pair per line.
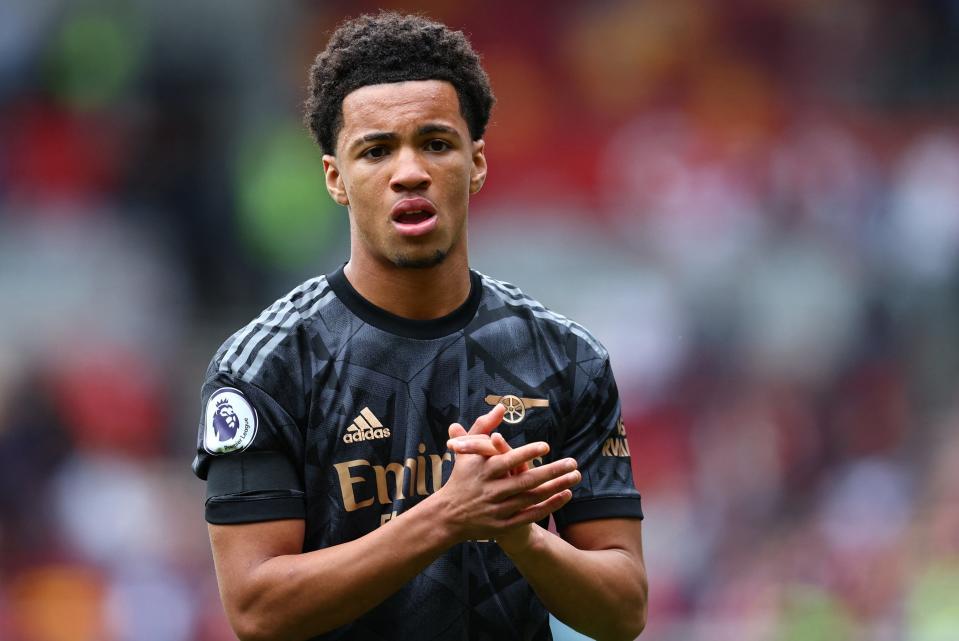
x,y
409,328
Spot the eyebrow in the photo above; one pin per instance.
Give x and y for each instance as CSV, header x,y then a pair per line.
x,y
376,136
384,136
434,128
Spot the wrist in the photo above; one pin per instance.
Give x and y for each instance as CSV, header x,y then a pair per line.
x,y
521,540
441,515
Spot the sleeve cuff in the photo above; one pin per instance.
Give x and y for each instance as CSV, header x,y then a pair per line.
x,y
601,507
255,507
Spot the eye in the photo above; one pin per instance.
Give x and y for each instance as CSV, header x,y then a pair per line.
x,y
437,145
375,152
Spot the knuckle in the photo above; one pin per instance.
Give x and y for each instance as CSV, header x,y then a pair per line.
x,y
540,489
540,477
498,492
527,482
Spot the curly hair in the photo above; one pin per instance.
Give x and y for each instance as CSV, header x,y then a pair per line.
x,y
392,47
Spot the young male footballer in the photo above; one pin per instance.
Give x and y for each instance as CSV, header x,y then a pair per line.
x,y
344,498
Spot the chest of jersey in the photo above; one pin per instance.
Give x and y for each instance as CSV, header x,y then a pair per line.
x,y
381,411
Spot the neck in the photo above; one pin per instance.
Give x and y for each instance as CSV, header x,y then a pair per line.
x,y
417,294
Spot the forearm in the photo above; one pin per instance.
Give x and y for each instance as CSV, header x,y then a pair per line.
x,y
297,596
601,593
272,591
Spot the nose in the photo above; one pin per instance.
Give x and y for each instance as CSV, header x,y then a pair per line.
x,y
410,172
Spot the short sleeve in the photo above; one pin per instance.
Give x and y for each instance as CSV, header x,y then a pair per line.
x,y
246,453
596,438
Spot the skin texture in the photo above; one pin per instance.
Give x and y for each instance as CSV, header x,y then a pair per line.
x,y
400,141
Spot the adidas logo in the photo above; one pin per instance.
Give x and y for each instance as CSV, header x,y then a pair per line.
x,y
365,427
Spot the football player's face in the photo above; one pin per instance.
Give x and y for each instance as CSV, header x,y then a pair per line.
x,y
405,166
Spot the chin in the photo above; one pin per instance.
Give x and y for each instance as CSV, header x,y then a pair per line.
x,y
420,262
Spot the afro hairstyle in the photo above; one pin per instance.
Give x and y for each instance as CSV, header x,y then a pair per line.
x,y
392,47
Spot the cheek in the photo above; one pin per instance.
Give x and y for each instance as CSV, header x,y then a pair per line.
x,y
362,192
367,203
456,181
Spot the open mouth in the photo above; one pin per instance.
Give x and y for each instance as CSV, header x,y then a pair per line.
x,y
412,217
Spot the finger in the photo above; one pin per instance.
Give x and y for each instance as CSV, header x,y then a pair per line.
x,y
499,441
538,494
489,421
466,438
504,488
472,445
457,430
536,476
555,486
503,463
540,511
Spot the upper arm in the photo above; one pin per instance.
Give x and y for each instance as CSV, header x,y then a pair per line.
x,y
625,535
622,536
238,550
249,451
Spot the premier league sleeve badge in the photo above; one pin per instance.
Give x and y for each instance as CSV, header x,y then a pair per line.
x,y
230,422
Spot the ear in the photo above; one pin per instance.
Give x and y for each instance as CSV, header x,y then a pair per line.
x,y
478,170
334,181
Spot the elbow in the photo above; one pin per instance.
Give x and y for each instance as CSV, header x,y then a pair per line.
x,y
253,623
263,621
249,627
633,624
627,617
628,628
636,625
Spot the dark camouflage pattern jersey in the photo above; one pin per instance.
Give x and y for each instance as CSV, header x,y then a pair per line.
x,y
329,409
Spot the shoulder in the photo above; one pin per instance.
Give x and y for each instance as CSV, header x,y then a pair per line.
x,y
243,355
505,296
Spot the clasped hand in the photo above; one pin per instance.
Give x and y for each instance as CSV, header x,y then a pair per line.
x,y
494,491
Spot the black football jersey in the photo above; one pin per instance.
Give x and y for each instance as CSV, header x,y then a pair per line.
x,y
330,409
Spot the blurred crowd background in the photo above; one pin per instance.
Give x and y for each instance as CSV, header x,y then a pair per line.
x,y
753,204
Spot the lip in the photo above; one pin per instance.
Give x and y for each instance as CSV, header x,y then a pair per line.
x,y
414,204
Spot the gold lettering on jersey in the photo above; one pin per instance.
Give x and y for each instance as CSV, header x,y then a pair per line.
x,y
617,445
437,462
398,471
396,480
347,481
421,471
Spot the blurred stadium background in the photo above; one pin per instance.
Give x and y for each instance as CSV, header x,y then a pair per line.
x,y
755,205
